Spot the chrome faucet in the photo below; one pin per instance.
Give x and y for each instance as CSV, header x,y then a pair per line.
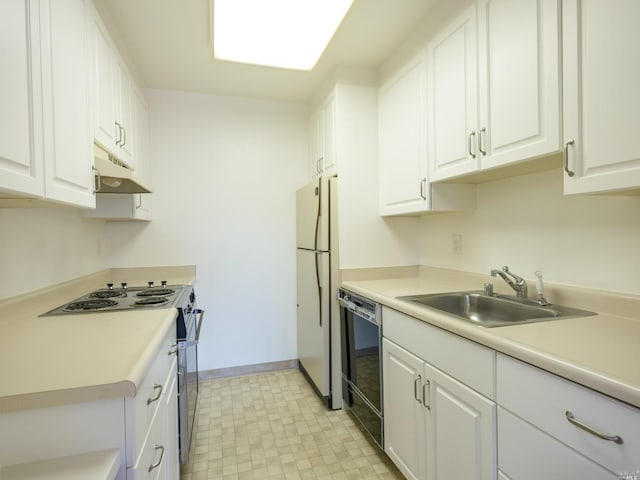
x,y
519,285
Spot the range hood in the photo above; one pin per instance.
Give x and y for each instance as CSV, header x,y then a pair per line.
x,y
111,177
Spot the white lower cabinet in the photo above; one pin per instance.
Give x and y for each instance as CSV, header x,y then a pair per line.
x,y
527,453
587,432
435,426
404,414
526,424
143,428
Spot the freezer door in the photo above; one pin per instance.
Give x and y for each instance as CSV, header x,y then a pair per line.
x,y
312,216
313,317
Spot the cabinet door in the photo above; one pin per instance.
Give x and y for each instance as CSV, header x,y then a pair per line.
x,y
518,72
124,114
601,98
20,136
329,163
142,153
67,132
104,52
402,141
316,145
453,99
461,430
404,414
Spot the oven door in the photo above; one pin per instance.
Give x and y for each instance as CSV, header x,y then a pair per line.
x,y
188,386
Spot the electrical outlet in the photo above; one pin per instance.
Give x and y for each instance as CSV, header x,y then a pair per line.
x,y
456,244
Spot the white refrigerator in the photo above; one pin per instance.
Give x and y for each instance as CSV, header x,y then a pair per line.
x,y
318,279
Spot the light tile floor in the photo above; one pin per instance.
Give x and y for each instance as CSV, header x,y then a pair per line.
x,y
273,426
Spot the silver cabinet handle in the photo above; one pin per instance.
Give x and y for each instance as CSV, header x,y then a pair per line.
x,y
481,141
566,157
423,188
118,133
611,438
155,387
124,136
425,394
97,180
469,140
157,464
319,163
416,382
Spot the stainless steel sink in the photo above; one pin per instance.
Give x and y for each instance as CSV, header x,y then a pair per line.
x,y
494,310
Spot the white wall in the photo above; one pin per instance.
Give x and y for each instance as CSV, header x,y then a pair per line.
x,y
366,239
44,246
225,172
528,224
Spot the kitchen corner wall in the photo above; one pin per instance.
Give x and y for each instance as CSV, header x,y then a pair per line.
x,y
225,172
528,224
45,246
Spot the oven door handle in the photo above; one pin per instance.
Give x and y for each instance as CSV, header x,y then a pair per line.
x,y
190,343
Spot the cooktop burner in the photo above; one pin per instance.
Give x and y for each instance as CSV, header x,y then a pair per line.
x,y
125,298
150,301
152,292
95,304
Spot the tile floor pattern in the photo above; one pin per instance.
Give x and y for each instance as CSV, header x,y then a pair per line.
x,y
273,426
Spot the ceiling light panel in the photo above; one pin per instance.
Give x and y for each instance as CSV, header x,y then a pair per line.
x,y
278,33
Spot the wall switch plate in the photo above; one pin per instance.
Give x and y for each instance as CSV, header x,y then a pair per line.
x,y
456,243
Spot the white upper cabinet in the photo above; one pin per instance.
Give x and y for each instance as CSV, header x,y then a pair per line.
x,y
45,147
402,137
66,115
322,138
113,96
453,99
404,180
21,164
519,80
601,95
494,87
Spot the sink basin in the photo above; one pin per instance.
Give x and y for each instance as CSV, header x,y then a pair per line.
x,y
494,310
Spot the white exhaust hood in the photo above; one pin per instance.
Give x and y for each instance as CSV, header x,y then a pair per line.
x,y
112,177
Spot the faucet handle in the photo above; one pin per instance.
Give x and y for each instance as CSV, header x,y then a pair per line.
x,y
519,280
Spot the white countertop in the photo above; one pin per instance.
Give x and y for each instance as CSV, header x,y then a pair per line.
x,y
601,352
62,359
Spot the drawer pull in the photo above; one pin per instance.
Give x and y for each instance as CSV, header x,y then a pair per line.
x,y
155,387
426,396
174,349
611,438
416,381
157,464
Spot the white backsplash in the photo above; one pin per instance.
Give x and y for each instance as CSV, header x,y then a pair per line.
x,y
528,224
44,246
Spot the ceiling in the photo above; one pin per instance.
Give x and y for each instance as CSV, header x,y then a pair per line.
x,y
168,42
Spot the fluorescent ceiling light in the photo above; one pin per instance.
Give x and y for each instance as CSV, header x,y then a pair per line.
x,y
277,33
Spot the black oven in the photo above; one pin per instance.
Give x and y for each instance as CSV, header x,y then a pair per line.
x,y
361,361
189,323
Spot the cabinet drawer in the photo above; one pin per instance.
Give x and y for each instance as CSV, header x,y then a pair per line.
x,y
152,453
543,399
526,453
149,395
466,361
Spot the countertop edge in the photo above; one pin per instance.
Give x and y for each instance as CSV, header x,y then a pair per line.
x,y
605,384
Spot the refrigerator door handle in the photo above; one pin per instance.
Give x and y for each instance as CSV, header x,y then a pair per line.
x,y
319,286
318,194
